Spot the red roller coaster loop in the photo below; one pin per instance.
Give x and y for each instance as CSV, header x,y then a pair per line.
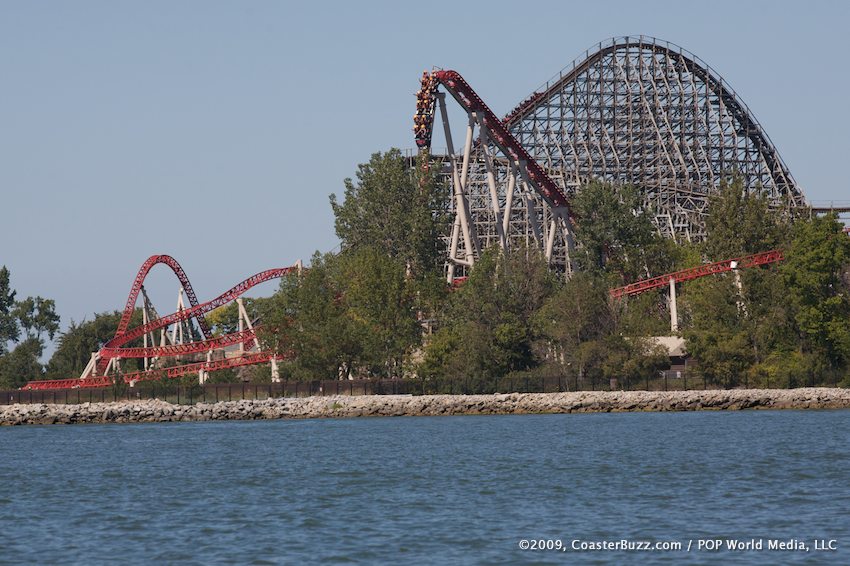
x,y
200,309
113,349
139,281
136,287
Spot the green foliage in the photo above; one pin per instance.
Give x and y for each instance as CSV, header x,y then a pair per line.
x,y
754,333
742,223
583,326
225,319
9,331
305,321
76,344
21,364
34,316
615,235
818,256
37,316
396,208
380,301
348,314
488,328
714,331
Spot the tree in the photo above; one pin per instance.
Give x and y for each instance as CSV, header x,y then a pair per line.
x,y
381,301
615,235
37,316
583,326
815,262
348,314
742,222
578,313
305,322
9,331
22,364
225,319
80,340
487,327
715,331
397,208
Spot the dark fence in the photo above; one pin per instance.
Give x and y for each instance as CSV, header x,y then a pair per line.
x,y
213,392
174,392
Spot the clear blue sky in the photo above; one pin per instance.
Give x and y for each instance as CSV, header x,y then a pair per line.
x,y
215,131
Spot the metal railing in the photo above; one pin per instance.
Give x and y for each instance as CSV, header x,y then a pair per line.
x,y
672,380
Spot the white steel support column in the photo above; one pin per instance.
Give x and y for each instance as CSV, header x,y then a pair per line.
x,y
674,310
177,330
561,213
240,328
91,368
450,276
145,337
531,211
550,239
459,181
275,371
509,200
491,182
243,315
742,308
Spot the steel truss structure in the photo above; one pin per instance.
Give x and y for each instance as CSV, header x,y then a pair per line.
x,y
178,338
635,111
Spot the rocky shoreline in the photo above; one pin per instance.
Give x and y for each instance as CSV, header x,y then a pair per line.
x,y
427,405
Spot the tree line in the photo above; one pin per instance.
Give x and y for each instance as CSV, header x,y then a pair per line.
x,y
381,307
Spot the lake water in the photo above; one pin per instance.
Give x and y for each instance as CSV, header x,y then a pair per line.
x,y
442,490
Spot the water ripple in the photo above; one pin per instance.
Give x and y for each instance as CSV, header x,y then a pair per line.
x,y
422,490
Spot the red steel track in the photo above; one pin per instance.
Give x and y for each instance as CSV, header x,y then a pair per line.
x,y
136,287
471,102
170,372
754,260
200,309
171,350
113,348
139,281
